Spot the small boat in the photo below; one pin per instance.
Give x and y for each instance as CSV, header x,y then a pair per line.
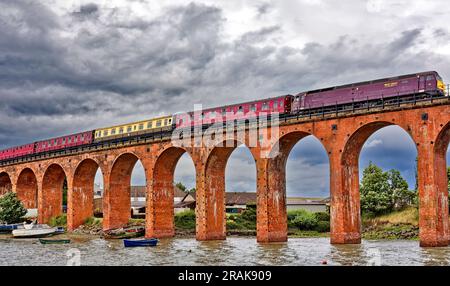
x,y
34,230
54,241
140,242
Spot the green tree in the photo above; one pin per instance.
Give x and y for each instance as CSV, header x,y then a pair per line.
x,y
376,197
180,186
11,208
401,195
382,192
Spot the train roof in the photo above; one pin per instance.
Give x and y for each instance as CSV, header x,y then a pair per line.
x,y
239,103
370,82
135,122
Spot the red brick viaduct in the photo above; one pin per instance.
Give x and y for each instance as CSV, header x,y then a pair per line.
x,y
39,183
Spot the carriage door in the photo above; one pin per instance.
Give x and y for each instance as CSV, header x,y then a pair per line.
x,y
422,83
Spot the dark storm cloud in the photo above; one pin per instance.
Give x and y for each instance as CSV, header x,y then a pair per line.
x,y
86,10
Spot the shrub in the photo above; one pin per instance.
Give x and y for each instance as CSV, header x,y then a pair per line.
x,y
60,220
249,215
185,219
305,221
233,225
11,208
323,216
323,226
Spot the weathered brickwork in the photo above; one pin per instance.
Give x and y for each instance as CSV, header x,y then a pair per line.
x,y
40,183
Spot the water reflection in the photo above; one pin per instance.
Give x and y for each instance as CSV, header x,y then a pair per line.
x,y
233,251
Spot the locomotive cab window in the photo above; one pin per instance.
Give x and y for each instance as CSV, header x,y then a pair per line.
x,y
430,78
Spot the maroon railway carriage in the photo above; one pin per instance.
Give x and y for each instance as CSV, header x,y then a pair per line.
x,y
388,88
18,151
242,111
64,142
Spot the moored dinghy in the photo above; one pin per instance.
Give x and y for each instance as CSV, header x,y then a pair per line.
x,y
54,241
140,242
34,230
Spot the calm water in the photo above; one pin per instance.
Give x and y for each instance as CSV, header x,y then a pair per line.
x,y
233,251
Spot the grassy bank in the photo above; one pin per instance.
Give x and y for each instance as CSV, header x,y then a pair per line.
x,y
403,224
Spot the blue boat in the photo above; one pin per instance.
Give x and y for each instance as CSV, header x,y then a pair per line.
x,y
140,242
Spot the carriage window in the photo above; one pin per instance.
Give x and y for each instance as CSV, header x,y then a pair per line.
x,y
224,111
121,130
149,125
113,131
253,107
141,126
158,123
240,109
129,129
281,103
64,141
165,122
105,133
265,106
275,104
75,140
212,114
134,127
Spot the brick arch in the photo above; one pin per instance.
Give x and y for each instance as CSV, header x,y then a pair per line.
x,y
27,188
116,199
5,183
160,199
211,218
80,205
50,197
275,193
346,223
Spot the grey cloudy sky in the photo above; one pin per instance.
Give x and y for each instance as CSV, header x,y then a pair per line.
x,y
67,66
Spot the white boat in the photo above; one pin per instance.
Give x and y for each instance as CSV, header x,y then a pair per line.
x,y
34,230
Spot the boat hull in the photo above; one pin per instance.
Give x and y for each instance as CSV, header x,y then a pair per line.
x,y
140,242
33,233
54,241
